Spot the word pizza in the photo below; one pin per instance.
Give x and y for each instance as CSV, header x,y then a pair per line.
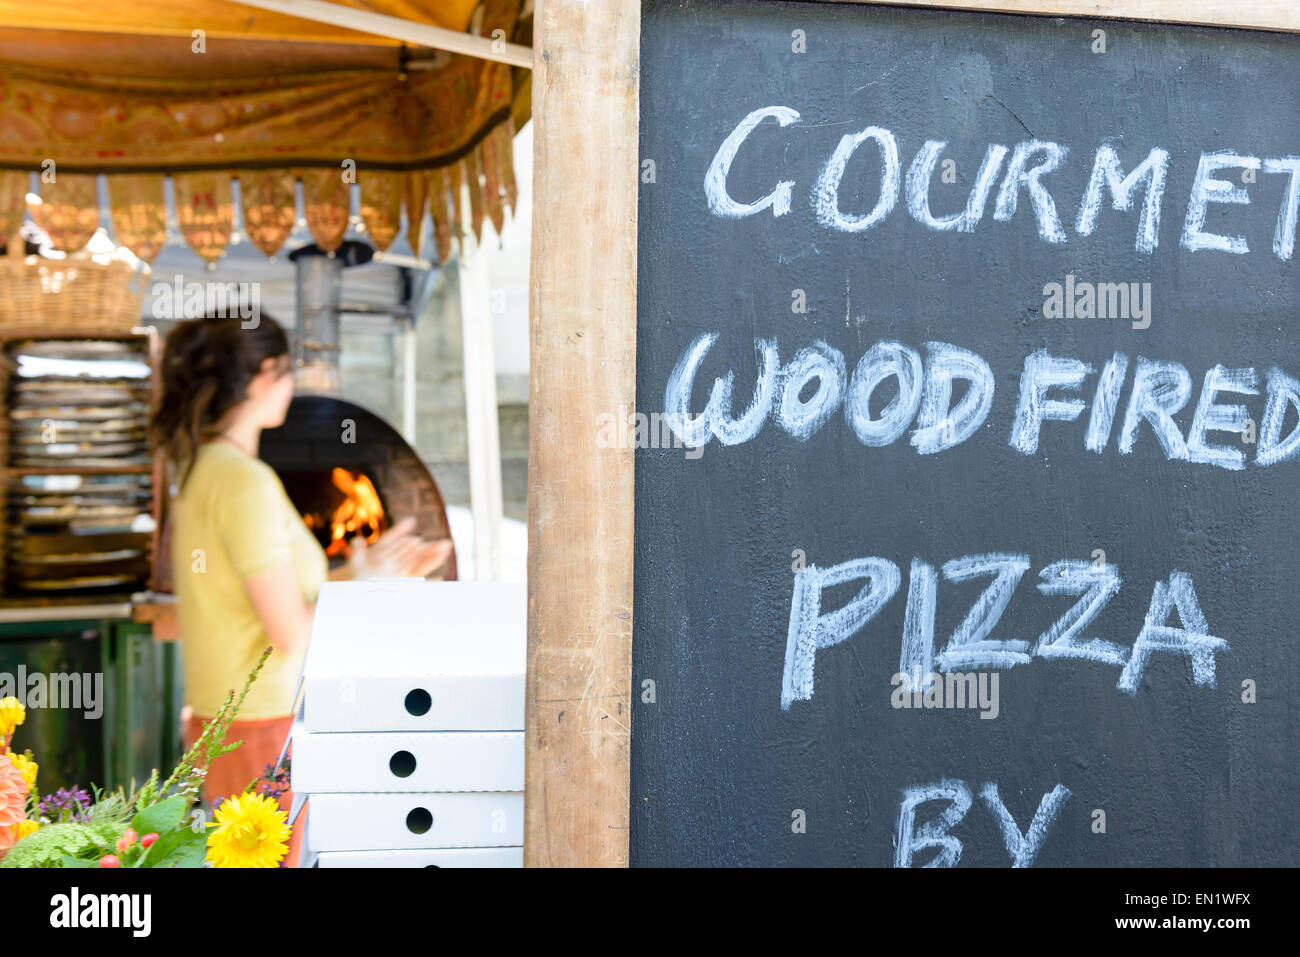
x,y
971,647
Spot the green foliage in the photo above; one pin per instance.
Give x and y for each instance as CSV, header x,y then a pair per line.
x,y
82,845
149,793
183,847
161,817
107,831
188,775
152,809
109,807
48,846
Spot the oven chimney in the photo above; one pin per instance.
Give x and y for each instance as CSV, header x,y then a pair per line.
x,y
316,316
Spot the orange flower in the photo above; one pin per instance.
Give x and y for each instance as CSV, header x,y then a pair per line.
x,y
13,793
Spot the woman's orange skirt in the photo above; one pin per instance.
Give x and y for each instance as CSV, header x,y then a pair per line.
x,y
234,771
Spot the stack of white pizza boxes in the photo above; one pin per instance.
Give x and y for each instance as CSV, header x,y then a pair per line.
x,y
409,746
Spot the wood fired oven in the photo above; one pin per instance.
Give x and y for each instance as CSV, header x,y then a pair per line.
x,y
349,472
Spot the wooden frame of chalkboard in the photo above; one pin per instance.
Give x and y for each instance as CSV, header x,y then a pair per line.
x,y
583,343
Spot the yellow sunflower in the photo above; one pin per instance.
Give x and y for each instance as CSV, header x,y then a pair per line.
x,y
250,831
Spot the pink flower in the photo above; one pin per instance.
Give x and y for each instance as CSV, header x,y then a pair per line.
x,y
13,793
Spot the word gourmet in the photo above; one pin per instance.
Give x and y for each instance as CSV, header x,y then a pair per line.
x,y
1030,162
1050,391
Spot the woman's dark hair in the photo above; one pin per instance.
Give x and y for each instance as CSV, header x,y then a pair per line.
x,y
206,367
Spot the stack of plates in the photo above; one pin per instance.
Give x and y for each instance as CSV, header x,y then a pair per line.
x,y
78,405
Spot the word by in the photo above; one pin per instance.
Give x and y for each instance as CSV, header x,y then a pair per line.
x,y
970,646
1102,300
1049,387
61,690
1023,848
1029,163
641,431
958,690
102,910
194,300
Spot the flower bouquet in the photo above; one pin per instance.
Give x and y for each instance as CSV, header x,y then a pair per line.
x,y
156,825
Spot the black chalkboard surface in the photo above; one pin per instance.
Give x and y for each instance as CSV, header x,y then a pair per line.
x,y
967,345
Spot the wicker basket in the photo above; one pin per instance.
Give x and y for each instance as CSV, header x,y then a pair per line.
x,y
72,296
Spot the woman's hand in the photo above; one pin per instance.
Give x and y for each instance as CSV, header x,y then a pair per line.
x,y
399,553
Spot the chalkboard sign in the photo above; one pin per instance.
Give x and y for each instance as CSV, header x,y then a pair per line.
x,y
966,440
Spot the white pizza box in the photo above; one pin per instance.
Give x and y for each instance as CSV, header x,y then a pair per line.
x,y
406,761
405,654
450,857
366,822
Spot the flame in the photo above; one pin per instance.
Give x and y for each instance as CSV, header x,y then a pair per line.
x,y
360,513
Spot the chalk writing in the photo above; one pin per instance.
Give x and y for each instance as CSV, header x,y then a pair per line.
x,y
1050,388
1031,161
936,834
812,629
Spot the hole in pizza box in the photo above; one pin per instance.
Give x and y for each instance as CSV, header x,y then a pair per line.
x,y
419,820
402,764
418,702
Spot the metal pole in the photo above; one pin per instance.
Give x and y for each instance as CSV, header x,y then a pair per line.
x,y
420,34
484,443
408,380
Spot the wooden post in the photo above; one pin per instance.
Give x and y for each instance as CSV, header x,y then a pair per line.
x,y
583,338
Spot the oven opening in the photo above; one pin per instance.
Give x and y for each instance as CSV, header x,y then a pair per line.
x,y
337,506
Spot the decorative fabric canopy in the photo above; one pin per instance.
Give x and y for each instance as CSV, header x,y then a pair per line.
x,y
409,127
222,18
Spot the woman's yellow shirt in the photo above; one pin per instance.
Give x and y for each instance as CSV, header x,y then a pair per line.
x,y
232,520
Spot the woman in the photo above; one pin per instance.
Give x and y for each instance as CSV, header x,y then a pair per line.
x,y
247,570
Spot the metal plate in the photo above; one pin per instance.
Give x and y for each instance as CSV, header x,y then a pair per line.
x,y
77,584
97,350
129,414
81,558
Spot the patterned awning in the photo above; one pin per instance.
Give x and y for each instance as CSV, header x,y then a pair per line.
x,y
409,126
